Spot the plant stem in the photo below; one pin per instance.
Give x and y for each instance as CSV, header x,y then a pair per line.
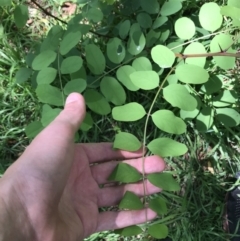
x,y
145,135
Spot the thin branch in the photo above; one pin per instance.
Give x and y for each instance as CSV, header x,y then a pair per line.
x,y
184,56
64,22
48,13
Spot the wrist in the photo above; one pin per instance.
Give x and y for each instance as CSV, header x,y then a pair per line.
x,y
14,222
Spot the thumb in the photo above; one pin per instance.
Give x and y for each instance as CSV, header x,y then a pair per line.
x,y
74,111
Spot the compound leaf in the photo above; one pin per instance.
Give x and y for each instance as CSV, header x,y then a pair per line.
x,y
166,120
124,173
159,231
128,112
44,59
112,90
75,85
69,41
49,94
21,15
96,61
185,28
123,75
129,231
146,80
191,74
71,64
131,201
158,205
163,56
170,7
33,129
165,181
178,96
46,75
23,75
126,141
96,102
166,147
210,17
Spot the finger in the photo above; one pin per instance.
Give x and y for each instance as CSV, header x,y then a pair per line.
x,y
152,164
116,220
104,152
49,157
111,196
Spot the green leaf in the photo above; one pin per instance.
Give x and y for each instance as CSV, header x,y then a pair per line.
x,y
159,22
159,231
46,75
116,50
210,17
70,40
223,41
213,85
165,181
189,115
51,42
49,95
112,90
123,75
21,15
167,147
230,11
126,141
146,80
43,60
131,201
96,102
196,48
234,3
185,28
158,205
71,64
136,41
128,112
124,173
75,85
228,117
225,98
142,64
129,231
49,114
178,96
33,129
166,120
5,3
95,15
144,20
204,120
150,6
170,7
95,59
163,56
87,122
23,75
124,29
191,74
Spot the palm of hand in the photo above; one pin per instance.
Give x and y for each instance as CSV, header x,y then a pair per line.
x,y
54,188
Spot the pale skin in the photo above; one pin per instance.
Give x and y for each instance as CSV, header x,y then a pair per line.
x,y
52,191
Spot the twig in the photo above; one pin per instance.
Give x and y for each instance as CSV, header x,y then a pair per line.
x,y
48,13
64,22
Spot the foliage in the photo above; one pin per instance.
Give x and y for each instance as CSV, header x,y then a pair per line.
x,y
111,51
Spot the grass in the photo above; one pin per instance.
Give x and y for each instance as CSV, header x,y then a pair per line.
x,y
196,213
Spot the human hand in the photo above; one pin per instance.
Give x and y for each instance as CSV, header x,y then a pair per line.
x,y
52,191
